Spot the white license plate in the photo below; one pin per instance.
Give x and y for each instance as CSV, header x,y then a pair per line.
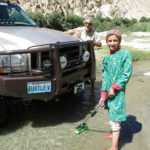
x,y
38,87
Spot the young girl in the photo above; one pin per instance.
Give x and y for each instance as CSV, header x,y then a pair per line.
x,y
117,69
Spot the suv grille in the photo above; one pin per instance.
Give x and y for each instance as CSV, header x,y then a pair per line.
x,y
35,59
73,55
37,62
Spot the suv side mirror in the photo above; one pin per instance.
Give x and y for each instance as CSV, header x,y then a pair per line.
x,y
40,23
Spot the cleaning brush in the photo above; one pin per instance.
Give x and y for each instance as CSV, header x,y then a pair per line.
x,y
82,127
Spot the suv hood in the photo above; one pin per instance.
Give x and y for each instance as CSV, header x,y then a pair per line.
x,y
16,38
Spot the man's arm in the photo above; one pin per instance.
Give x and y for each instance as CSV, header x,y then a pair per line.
x,y
98,44
76,32
71,31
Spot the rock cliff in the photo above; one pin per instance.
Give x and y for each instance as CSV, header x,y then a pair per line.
x,y
106,8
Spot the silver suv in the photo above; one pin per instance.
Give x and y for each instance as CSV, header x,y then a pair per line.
x,y
39,63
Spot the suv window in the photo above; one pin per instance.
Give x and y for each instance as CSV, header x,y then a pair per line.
x,y
12,15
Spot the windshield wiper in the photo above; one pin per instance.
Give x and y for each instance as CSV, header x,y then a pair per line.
x,y
5,24
19,24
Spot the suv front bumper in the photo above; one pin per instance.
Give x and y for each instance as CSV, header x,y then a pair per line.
x,y
17,86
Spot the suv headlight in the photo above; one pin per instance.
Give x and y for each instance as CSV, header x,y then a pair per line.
x,y
63,62
13,63
86,56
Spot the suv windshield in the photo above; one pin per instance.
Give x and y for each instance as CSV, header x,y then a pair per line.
x,y
12,15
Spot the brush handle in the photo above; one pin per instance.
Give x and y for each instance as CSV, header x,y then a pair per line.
x,y
106,101
93,113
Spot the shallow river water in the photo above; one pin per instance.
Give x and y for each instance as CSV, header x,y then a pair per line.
x,y
37,125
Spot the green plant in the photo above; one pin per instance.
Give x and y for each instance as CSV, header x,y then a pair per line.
x,y
55,21
118,21
133,21
141,26
139,55
144,19
73,21
108,25
36,16
98,19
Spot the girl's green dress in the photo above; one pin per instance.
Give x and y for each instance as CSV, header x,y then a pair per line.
x,y
117,68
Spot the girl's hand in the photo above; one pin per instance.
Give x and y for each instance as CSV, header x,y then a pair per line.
x,y
111,93
101,102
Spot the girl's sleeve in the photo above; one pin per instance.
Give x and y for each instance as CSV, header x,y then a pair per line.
x,y
104,81
127,71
